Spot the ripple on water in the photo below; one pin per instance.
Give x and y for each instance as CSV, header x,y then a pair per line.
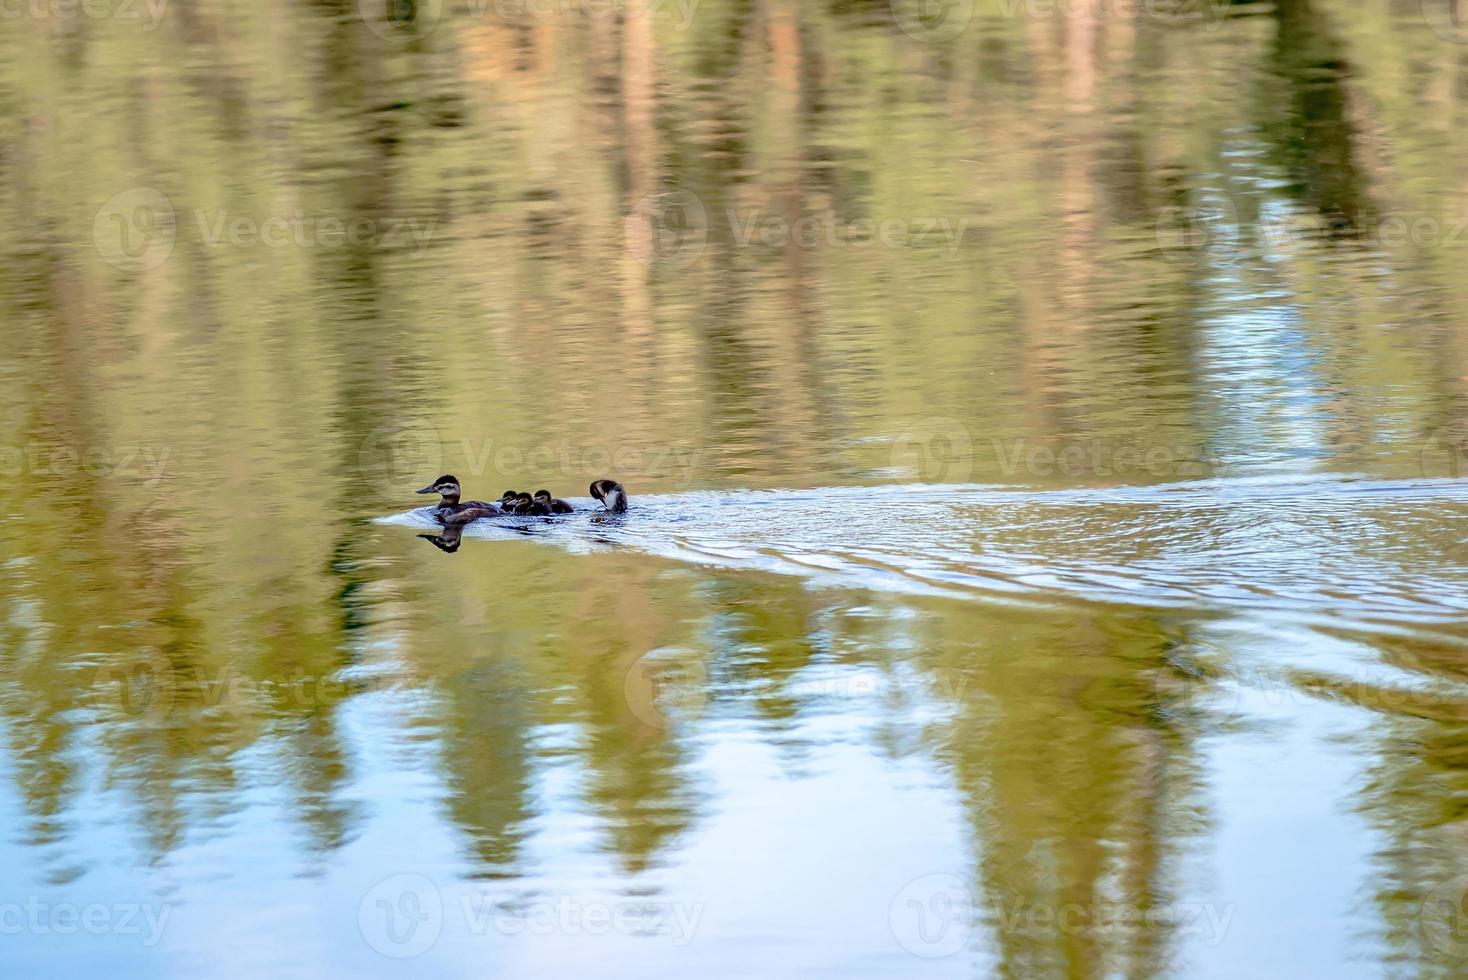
x,y
1366,549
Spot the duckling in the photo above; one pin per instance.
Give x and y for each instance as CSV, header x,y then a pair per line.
x,y
611,493
450,510
527,506
507,499
556,505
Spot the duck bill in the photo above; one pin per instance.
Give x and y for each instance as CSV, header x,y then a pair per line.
x,y
427,489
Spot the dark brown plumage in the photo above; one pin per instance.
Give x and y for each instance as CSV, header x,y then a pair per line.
x,y
556,505
450,510
611,493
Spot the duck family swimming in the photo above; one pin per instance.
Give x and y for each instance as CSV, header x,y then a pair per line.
x,y
452,512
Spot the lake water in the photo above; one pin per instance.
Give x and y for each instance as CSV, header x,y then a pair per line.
x,y
1047,433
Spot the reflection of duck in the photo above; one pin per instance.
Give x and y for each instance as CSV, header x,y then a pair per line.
x,y
556,505
448,540
450,510
611,493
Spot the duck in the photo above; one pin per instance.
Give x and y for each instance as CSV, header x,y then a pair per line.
x,y
507,499
450,510
555,504
526,505
612,495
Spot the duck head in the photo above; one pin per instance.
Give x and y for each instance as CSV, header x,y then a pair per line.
x,y
541,496
446,485
611,493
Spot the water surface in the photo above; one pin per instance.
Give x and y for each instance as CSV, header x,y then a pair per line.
x,y
1047,428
